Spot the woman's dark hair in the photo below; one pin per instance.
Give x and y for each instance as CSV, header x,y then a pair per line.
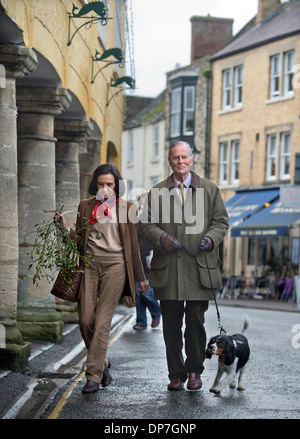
x,y
107,168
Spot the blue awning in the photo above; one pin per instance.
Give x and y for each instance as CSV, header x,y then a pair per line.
x,y
245,203
274,220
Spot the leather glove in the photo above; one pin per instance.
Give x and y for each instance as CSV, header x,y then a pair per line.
x,y
169,242
207,244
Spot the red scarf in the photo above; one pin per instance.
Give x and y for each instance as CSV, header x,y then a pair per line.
x,y
105,209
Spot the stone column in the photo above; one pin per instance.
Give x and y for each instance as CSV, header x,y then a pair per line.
x,y
37,107
71,137
89,160
18,61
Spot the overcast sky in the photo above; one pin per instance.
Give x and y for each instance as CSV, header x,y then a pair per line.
x,y
162,35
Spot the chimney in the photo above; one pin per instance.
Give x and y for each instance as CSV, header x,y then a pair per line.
x,y
265,8
209,34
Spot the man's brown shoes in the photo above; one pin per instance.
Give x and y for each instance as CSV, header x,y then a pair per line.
x,y
175,384
194,382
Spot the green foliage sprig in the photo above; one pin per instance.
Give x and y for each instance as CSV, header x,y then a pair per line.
x,y
53,250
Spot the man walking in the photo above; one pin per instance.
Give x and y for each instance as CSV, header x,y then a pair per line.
x,y
184,212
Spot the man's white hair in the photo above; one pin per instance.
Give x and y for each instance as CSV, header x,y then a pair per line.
x,y
181,143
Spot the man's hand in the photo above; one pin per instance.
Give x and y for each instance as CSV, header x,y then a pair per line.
x,y
207,244
143,287
169,242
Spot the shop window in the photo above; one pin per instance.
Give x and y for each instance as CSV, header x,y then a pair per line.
x,y
295,251
251,251
262,258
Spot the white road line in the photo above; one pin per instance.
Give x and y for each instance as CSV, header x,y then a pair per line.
x,y
70,356
12,413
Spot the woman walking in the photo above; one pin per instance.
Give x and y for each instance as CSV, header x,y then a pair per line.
x,y
104,231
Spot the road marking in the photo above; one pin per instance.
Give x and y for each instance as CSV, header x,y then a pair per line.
x,y
63,400
12,413
69,357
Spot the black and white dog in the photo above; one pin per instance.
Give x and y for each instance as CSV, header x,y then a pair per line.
x,y
233,352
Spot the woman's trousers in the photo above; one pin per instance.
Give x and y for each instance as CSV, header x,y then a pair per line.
x,y
103,287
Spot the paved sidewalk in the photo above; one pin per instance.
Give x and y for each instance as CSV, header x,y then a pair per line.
x,y
25,393
276,305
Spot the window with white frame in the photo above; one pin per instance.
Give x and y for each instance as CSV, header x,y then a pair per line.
x,y
235,161
275,76
175,112
278,156
238,85
285,156
281,74
155,141
229,162
271,157
223,162
130,152
288,72
188,110
226,88
232,90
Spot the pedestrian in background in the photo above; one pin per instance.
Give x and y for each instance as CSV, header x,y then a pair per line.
x,y
180,281
145,301
113,245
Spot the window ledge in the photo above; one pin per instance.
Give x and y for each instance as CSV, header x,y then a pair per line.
x,y
230,110
279,99
228,185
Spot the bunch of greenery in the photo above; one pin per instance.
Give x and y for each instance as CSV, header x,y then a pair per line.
x,y
54,250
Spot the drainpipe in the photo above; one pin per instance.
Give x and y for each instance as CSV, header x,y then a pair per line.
x,y
208,75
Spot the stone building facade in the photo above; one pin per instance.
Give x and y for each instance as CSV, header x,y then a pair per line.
x,y
255,134
188,96
57,124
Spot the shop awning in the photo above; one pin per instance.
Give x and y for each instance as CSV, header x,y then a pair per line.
x,y
245,203
274,220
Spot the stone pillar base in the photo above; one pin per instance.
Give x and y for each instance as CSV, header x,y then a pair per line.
x,y
38,324
14,356
67,310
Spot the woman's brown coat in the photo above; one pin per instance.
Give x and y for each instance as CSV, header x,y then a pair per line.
x,y
128,236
